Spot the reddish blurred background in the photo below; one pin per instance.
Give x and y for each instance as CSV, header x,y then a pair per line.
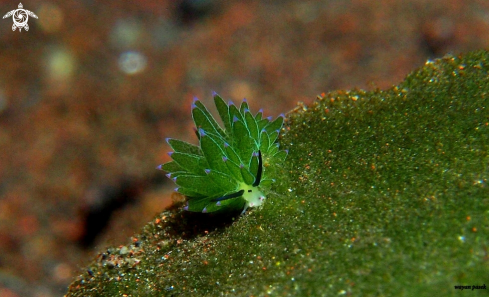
x,y
90,92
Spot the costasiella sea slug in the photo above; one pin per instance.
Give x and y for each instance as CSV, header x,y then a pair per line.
x,y
228,169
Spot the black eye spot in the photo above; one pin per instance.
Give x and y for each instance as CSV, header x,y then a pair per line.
x,y
249,191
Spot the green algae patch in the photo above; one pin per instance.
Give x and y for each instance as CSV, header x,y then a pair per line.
x,y
383,193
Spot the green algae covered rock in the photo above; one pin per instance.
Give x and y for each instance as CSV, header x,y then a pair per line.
x,y
383,193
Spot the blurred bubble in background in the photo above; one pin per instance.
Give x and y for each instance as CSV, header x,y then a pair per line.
x,y
132,62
